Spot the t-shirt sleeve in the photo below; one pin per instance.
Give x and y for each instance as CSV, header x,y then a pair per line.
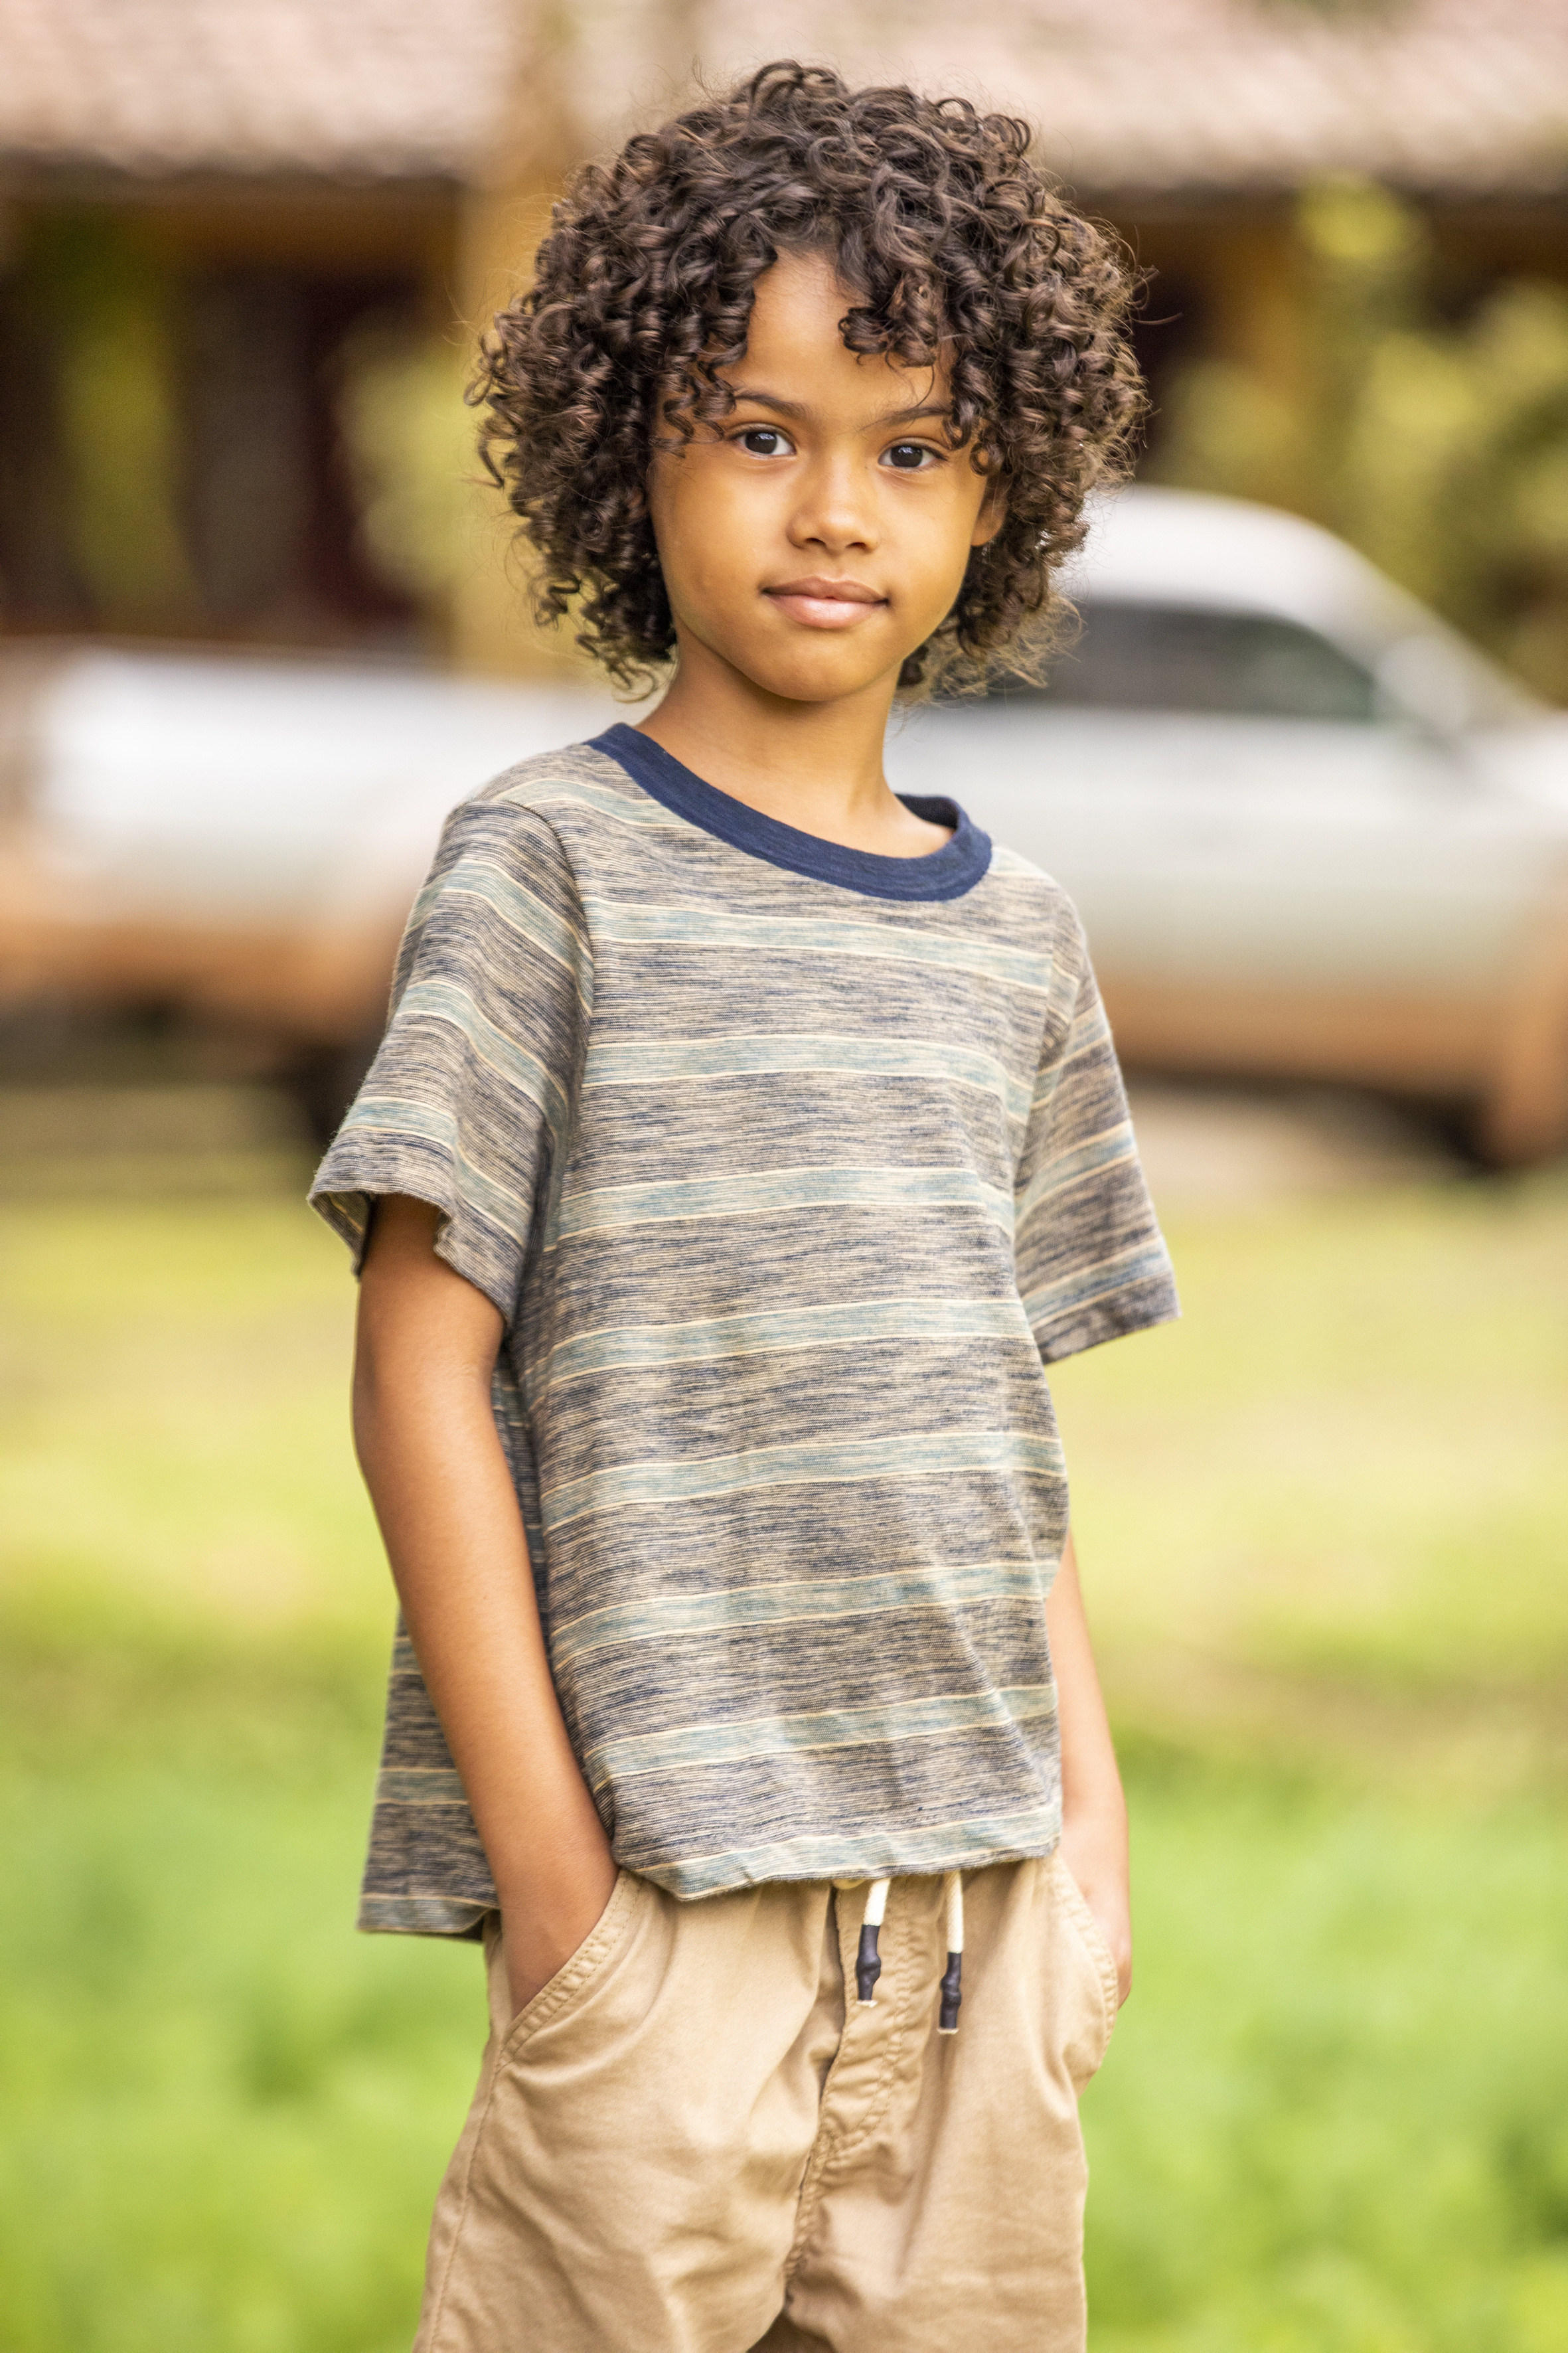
x,y
1090,1259
467,1104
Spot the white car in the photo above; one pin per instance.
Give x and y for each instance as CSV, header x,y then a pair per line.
x,y
1310,830
237,838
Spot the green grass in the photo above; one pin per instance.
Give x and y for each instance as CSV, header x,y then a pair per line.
x,y
1326,1511
1337,2115
225,2115
1324,1526
175,1383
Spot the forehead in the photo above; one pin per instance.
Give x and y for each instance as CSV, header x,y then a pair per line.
x,y
794,346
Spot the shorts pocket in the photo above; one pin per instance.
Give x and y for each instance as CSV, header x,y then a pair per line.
x,y
1096,1952
573,1977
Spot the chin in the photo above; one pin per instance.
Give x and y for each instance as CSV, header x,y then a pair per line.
x,y
806,677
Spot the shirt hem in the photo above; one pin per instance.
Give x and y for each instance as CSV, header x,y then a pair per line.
x,y
1030,1837
954,1847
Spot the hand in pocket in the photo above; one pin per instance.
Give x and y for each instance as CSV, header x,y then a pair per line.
x,y
542,1928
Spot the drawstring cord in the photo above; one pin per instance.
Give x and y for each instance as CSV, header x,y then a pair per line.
x,y
953,1981
868,1959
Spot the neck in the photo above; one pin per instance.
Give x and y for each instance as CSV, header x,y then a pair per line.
x,y
813,766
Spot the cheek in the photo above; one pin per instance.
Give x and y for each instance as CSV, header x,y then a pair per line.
x,y
706,527
942,533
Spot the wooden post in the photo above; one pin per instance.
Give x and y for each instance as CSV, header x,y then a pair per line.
x,y
505,213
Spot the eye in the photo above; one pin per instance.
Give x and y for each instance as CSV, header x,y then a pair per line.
x,y
910,457
764,442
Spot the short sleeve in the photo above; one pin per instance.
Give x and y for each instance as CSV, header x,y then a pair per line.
x,y
467,1104
1091,1260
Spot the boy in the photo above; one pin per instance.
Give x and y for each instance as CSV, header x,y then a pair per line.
x,y
743,1143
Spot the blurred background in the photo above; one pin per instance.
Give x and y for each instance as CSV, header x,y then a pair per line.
x,y
1305,769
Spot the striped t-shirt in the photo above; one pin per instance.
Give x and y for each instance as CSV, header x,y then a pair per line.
x,y
788,1168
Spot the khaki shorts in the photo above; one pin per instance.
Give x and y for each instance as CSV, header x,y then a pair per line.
x,y
689,2143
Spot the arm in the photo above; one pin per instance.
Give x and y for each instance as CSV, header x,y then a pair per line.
x,y
426,1442
1094,1811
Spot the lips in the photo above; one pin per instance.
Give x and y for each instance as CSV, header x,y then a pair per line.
x,y
823,604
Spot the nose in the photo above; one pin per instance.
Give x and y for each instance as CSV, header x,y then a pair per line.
x,y
835,509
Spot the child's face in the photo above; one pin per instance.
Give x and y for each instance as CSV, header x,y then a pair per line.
x,y
819,536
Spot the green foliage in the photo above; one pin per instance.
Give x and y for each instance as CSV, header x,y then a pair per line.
x,y
107,314
1440,450
411,445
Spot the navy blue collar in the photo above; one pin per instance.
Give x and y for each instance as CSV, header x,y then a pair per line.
x,y
945,873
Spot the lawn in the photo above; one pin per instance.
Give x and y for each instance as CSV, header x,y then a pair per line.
x,y
1324,1525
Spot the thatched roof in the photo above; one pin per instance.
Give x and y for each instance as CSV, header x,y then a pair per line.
x,y
1161,96
378,89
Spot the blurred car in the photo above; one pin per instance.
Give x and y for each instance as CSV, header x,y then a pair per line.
x,y
237,840
1311,831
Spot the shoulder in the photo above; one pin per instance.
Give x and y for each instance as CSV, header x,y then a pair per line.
x,y
1026,883
1024,904
564,814
565,790
505,883
523,820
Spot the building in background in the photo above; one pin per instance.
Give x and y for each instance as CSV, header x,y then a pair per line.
x,y
241,249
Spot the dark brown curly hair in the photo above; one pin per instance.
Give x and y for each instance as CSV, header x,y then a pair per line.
x,y
952,242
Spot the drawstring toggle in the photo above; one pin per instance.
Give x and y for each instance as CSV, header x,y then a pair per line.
x,y
868,1961
952,1976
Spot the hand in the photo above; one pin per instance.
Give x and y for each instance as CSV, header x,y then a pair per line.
x,y
1094,1811
544,1922
1095,1852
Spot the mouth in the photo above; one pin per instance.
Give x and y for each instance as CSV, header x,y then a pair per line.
x,y
826,604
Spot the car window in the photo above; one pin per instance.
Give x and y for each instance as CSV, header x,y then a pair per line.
x,y
1148,657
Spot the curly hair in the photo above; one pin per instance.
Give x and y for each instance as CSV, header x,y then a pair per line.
x,y
953,245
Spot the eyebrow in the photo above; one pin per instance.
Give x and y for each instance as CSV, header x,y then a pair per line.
x,y
799,409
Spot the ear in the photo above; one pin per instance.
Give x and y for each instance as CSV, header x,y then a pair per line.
x,y
992,516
